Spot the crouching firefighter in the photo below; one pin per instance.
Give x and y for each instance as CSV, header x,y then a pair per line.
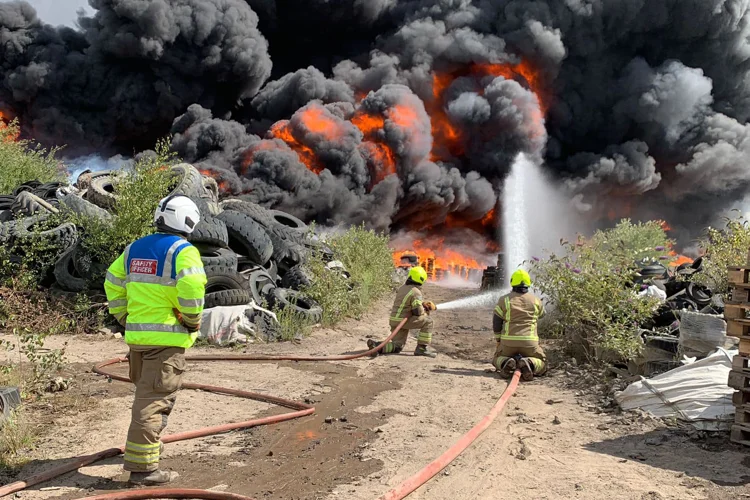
x,y
409,304
515,325
156,290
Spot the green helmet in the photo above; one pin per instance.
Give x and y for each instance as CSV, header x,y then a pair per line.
x,y
520,278
418,275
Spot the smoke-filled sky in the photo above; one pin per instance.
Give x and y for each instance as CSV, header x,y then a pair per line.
x,y
58,12
404,114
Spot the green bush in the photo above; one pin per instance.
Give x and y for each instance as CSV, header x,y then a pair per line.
x,y
590,287
723,248
367,257
21,161
138,191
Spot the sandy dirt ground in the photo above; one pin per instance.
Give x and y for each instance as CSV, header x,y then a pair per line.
x,y
379,421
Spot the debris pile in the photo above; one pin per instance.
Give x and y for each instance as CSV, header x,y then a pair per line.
x,y
250,254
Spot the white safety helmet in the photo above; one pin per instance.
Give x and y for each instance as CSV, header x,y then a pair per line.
x,y
177,213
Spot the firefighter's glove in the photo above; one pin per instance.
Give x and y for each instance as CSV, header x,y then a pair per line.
x,y
429,306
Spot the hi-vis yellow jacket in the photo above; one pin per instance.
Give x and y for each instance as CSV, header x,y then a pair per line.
x,y
519,313
154,276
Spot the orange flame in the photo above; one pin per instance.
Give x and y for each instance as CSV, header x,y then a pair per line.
x,y
382,158
6,135
438,260
281,130
679,259
223,185
447,137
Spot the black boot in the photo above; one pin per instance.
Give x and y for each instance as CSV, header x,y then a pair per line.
x,y
527,370
372,344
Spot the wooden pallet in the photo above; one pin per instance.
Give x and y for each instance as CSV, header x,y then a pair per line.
x,y
738,328
740,434
739,275
740,293
736,310
739,380
740,398
742,416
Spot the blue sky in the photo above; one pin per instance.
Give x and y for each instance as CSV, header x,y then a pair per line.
x,y
59,11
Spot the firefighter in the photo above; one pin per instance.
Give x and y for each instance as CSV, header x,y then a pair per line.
x,y
515,325
156,290
410,304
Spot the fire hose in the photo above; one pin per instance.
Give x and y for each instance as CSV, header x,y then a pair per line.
x,y
300,410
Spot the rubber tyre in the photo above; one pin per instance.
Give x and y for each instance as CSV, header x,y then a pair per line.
x,y
261,283
296,278
210,231
247,237
66,274
300,303
224,278
93,270
226,298
65,235
288,250
101,192
6,231
188,181
288,220
220,257
79,206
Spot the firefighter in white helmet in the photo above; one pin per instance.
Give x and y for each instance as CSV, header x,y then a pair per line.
x,y
156,290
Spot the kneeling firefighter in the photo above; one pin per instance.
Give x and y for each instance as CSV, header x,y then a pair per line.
x,y
515,325
410,304
156,290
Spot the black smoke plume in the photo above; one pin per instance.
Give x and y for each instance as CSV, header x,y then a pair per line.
x,y
404,114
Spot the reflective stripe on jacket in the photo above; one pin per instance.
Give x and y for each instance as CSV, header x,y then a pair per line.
x,y
154,276
520,313
408,300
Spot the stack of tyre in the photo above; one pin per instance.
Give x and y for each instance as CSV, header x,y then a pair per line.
x,y
249,253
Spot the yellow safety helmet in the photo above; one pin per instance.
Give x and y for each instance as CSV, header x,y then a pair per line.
x,y
519,278
418,275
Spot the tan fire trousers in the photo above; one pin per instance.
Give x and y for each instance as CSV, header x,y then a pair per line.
x,y
422,323
157,374
535,354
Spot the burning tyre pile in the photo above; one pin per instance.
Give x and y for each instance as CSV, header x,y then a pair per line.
x,y
250,254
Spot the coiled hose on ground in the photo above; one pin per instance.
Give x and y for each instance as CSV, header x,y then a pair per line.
x,y
299,410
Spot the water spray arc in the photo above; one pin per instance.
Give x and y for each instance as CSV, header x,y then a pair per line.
x,y
515,233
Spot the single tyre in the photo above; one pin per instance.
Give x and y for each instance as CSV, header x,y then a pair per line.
x,y
258,213
296,278
224,278
220,257
288,220
188,180
226,298
299,302
89,268
79,206
210,190
6,231
28,230
101,191
247,237
261,284
65,272
210,231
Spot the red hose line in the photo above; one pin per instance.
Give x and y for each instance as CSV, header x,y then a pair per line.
x,y
301,410
169,493
428,472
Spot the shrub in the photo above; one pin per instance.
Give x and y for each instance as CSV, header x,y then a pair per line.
x,y
590,288
367,257
21,161
138,191
723,248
